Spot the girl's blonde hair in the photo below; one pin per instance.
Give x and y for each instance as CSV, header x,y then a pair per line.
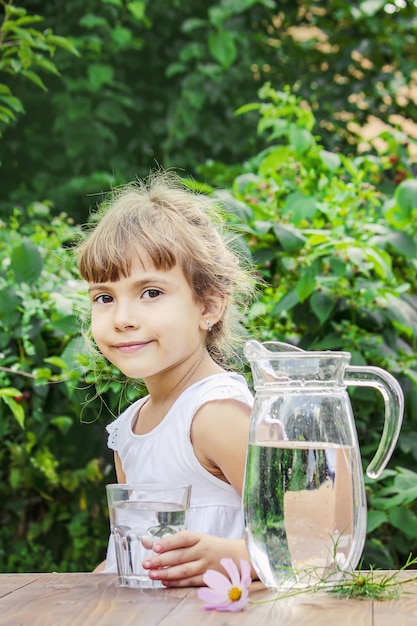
x,y
171,224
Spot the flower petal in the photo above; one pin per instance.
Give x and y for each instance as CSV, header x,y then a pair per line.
x,y
212,597
246,576
220,591
239,605
232,569
216,580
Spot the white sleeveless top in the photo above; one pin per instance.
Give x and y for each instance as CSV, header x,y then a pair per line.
x,y
166,455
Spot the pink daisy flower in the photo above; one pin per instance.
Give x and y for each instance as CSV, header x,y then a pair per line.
x,y
227,594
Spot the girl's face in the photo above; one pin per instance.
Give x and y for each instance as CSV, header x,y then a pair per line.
x,y
148,323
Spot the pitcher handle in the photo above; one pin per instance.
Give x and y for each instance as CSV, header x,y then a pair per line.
x,y
388,386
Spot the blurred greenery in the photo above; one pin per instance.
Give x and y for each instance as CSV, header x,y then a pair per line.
x,y
132,84
260,102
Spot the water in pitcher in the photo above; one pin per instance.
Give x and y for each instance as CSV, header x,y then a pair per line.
x,y
135,526
300,507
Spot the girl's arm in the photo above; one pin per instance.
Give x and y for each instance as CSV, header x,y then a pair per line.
x,y
121,478
219,434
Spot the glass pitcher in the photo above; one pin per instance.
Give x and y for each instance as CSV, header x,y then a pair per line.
x,y
304,492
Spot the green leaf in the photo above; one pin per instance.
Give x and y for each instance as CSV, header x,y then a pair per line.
x,y
332,341
43,376
222,47
138,10
93,21
217,16
301,206
66,324
45,64
338,266
411,375
57,362
63,423
13,30
174,69
34,78
316,238
287,302
406,195
290,239
62,42
193,50
322,306
274,160
261,227
9,307
99,75
226,9
122,36
330,160
401,313
247,108
70,481
6,114
26,262
405,520
406,479
276,128
375,519
307,283
380,261
10,100
28,19
15,407
9,392
300,138
7,110
371,7
402,243
193,23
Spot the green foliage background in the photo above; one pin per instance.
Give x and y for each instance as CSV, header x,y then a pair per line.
x,y
332,230
135,83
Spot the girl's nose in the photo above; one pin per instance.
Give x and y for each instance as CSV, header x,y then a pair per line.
x,y
125,325
125,318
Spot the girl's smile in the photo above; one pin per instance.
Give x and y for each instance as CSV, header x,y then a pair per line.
x,y
130,347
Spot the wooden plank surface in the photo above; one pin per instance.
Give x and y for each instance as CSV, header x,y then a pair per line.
x,y
11,582
94,600
86,600
310,609
401,612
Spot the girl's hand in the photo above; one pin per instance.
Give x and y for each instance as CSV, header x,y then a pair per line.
x,y
182,559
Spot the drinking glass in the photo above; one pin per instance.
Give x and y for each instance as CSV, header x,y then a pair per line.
x,y
139,516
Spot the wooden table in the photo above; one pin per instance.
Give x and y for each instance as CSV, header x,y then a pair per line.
x,y
94,600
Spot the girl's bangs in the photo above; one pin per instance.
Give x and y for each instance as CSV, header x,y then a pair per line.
x,y
110,261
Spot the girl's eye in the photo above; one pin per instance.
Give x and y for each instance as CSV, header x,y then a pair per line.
x,y
150,294
103,299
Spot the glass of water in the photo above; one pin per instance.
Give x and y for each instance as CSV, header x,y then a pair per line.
x,y
139,516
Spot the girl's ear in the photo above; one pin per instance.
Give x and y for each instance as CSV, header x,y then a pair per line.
x,y
213,309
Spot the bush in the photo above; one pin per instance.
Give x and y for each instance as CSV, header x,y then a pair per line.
x,y
53,461
335,239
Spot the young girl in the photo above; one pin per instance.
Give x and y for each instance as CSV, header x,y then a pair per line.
x,y
163,286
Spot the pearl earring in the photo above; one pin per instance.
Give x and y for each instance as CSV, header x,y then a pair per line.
x,y
208,325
